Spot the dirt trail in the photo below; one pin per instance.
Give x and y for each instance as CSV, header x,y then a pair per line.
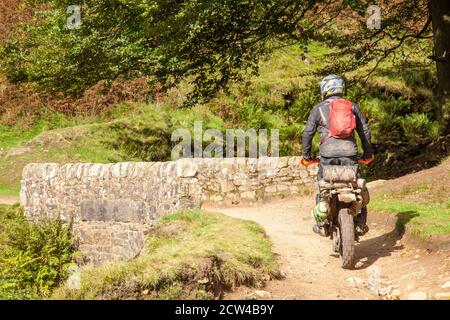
x,y
387,268
8,200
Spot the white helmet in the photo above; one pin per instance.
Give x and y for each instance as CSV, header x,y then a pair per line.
x,y
331,85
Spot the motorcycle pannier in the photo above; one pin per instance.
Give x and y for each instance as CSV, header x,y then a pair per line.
x,y
340,173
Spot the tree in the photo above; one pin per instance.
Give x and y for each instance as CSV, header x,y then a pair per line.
x,y
210,42
440,17
403,22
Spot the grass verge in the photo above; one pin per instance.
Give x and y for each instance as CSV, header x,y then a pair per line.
x,y
422,211
83,143
188,255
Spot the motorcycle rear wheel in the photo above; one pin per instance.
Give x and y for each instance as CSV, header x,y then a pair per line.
x,y
347,238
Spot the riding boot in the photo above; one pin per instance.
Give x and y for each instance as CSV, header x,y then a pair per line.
x,y
361,222
319,213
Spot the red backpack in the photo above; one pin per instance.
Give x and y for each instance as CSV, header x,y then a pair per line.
x,y
341,120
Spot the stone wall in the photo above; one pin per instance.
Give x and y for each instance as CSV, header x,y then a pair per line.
x,y
112,205
245,180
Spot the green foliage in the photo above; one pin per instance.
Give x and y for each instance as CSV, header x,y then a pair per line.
x,y
395,119
418,126
13,136
147,136
281,97
424,218
306,97
211,42
34,257
422,204
253,116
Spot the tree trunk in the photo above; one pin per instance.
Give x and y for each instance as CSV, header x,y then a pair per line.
x,y
440,18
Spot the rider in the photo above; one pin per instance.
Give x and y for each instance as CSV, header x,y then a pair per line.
x,y
336,151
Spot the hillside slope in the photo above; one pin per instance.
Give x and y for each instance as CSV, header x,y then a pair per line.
x,y
399,107
420,201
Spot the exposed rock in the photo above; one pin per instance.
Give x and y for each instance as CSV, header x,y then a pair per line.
x,y
249,195
226,186
356,282
396,293
260,294
446,285
13,152
419,295
365,259
442,296
203,281
186,168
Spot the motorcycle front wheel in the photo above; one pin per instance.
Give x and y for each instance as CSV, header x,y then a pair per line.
x,y
347,238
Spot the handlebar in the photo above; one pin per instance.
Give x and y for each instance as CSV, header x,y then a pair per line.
x,y
311,162
368,161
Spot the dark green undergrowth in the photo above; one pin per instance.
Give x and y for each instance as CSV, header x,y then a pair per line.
x,y
189,255
34,258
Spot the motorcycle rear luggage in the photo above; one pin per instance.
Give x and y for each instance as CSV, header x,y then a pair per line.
x,y
340,173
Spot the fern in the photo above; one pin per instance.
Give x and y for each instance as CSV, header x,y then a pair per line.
x,y
34,257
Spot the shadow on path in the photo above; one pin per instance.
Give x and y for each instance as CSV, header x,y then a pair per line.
x,y
383,245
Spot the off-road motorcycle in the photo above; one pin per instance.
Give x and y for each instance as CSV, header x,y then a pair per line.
x,y
341,196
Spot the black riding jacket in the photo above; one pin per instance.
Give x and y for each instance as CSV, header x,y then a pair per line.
x,y
332,147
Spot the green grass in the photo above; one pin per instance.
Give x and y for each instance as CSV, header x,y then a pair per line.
x,y
422,209
15,136
130,138
85,143
432,219
9,191
27,128
189,255
12,136
79,144
56,138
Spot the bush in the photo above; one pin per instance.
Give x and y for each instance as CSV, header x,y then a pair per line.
x,y
34,257
418,126
147,137
305,100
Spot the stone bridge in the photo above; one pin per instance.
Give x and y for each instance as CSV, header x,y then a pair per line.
x,y
112,205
